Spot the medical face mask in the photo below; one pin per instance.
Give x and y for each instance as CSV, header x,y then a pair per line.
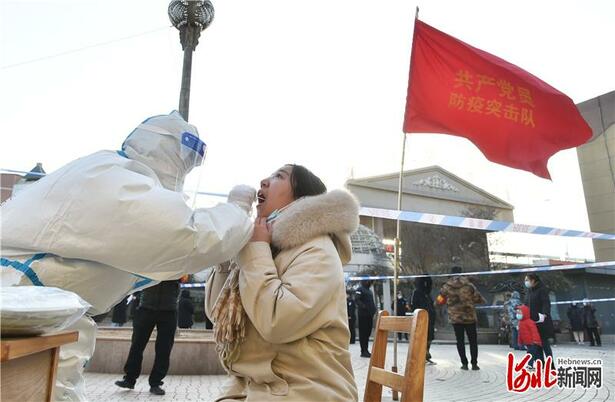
x,y
276,213
527,284
519,316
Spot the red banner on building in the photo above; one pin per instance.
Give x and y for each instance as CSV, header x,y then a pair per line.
x,y
514,118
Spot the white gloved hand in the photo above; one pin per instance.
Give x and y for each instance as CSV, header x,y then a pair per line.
x,y
541,318
243,196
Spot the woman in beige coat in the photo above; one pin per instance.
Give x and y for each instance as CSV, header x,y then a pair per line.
x,y
279,309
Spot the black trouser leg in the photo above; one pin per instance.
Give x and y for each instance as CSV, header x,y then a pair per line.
x,y
594,336
142,326
461,347
351,327
536,352
165,325
365,330
428,357
473,340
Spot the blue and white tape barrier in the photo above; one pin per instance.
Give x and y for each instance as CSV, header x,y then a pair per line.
x,y
442,220
481,224
604,265
609,299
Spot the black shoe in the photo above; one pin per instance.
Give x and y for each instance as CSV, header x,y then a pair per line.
x,y
464,366
475,367
125,384
366,354
156,390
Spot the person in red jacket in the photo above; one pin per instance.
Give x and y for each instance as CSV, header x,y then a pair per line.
x,y
528,334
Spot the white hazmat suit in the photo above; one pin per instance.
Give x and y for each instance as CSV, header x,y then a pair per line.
x,y
113,222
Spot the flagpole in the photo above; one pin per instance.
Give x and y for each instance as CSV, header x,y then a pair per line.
x,y
397,246
397,240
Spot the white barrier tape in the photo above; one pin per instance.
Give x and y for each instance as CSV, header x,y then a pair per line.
x,y
21,172
559,302
443,220
192,285
481,224
604,265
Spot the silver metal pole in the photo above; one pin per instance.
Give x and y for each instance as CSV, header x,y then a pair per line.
x,y
397,235
397,246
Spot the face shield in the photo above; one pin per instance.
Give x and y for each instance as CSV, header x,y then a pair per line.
x,y
172,148
193,151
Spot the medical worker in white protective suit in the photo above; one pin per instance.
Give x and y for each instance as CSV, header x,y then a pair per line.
x,y
113,222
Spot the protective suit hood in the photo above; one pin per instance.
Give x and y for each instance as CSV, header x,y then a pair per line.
x,y
169,146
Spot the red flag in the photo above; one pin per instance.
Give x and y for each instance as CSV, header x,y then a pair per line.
x,y
514,118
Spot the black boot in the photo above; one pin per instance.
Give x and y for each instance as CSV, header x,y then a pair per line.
x,y
156,390
125,384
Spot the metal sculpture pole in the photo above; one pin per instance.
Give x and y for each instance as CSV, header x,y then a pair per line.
x,y
190,17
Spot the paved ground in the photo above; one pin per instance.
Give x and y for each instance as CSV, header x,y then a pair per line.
x,y
443,382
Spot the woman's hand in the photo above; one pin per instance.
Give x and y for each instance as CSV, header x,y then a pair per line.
x,y
262,230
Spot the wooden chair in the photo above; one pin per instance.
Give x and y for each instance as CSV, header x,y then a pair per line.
x,y
410,384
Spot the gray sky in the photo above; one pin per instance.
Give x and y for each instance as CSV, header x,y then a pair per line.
x,y
320,83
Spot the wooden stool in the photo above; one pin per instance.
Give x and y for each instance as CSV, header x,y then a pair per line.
x,y
410,384
29,366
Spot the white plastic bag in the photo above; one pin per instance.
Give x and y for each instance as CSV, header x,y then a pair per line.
x,y
34,310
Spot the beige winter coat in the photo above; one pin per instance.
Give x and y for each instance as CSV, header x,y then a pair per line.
x,y
296,346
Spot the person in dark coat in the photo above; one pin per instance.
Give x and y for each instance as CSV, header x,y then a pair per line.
x,y
366,308
591,323
119,313
421,298
537,299
402,308
351,307
134,304
185,311
157,308
575,317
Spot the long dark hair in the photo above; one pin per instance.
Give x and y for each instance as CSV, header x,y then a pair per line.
x,y
305,183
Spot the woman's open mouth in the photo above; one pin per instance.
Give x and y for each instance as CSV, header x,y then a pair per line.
x,y
261,197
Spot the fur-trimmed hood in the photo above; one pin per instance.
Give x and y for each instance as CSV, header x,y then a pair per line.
x,y
335,213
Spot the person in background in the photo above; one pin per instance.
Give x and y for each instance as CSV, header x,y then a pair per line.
x,y
185,310
133,305
158,308
351,307
537,299
461,296
591,323
510,308
421,298
528,335
119,313
402,308
366,308
575,318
